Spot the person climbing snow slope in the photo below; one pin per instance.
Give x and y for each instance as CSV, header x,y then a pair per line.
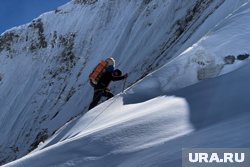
x,y
100,79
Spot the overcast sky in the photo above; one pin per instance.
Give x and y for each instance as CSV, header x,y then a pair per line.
x,y
17,12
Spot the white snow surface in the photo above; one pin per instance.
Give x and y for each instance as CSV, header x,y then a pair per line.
x,y
122,132
181,92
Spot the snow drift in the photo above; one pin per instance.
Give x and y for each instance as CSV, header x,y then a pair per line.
x,y
150,133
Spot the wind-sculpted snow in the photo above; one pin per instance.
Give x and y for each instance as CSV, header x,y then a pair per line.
x,y
152,132
44,65
119,130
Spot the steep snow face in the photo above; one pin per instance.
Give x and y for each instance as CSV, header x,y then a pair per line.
x,y
129,132
45,63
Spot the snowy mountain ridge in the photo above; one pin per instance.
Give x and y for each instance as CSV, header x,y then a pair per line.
x,y
45,64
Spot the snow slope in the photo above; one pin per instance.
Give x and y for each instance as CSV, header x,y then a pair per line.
x,y
152,132
45,64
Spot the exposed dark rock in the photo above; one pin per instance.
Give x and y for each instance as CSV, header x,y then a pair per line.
x,y
61,11
242,56
191,15
41,137
4,161
58,10
55,116
15,149
83,2
6,39
54,38
1,77
229,59
41,43
71,93
68,57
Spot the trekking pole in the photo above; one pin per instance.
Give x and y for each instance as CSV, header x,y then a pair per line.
x,y
124,84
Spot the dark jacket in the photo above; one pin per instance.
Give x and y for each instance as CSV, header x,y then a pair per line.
x,y
107,77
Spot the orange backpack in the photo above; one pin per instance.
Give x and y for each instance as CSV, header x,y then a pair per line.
x,y
96,74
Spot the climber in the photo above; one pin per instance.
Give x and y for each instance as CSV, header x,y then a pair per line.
x,y
100,79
